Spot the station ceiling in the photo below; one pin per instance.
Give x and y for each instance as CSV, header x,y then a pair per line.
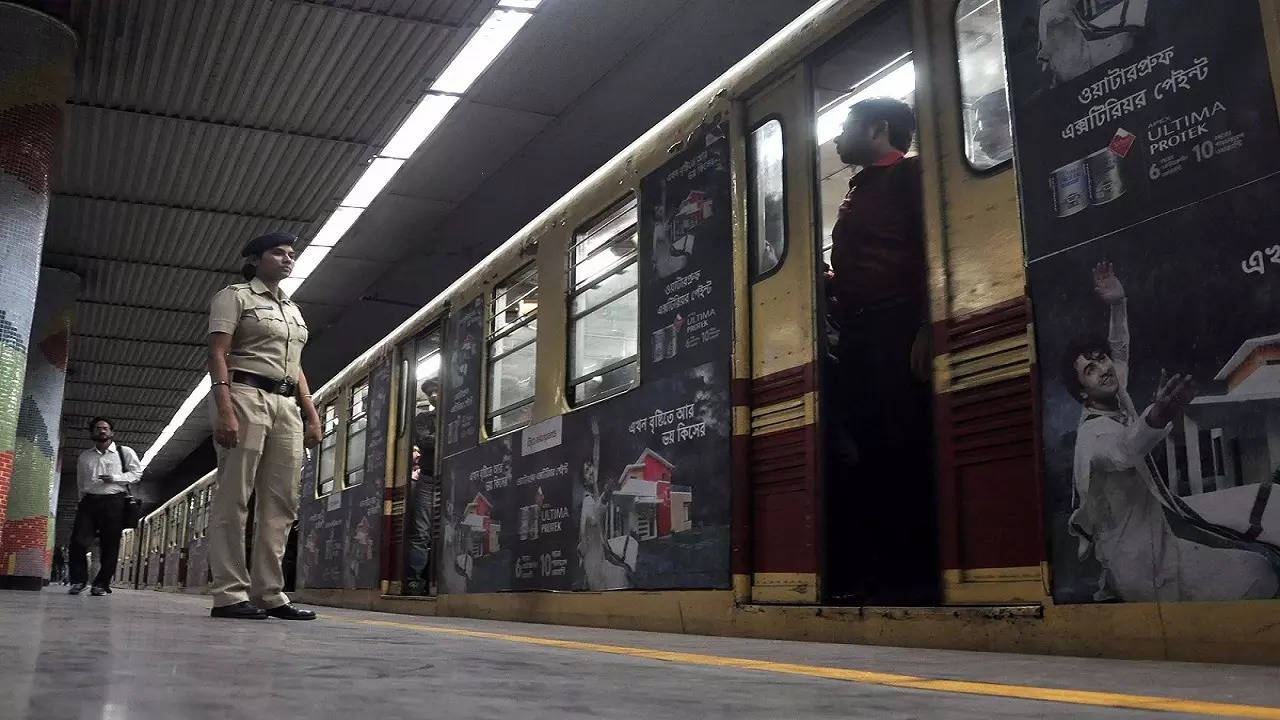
x,y
194,126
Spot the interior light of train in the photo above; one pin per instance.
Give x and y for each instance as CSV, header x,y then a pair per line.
x,y
375,177
429,113
429,366
523,4
179,417
336,226
309,260
895,80
498,30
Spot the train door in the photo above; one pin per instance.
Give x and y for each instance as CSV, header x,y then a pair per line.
x,y
876,420
782,463
416,461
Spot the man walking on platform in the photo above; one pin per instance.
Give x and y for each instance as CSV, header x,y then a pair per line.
x,y
103,474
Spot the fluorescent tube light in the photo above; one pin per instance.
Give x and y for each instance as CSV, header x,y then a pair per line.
x,y
336,226
419,125
290,285
898,82
522,4
375,177
308,261
179,417
480,50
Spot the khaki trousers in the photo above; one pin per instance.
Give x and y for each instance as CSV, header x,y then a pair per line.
x,y
267,460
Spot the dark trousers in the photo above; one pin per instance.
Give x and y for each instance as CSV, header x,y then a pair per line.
x,y
880,489
100,516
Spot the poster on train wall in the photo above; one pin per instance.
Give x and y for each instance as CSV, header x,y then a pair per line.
x,y
1125,109
464,340
631,492
686,271
1148,149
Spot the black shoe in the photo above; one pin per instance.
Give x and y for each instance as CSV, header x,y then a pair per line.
x,y
238,611
98,591
76,589
288,612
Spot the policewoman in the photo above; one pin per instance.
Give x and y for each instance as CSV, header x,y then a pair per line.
x,y
260,397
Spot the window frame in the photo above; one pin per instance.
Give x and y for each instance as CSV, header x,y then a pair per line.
x,y
1007,163
756,276
491,336
573,292
346,436
324,435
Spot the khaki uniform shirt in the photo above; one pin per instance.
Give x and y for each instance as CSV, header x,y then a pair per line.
x,y
267,334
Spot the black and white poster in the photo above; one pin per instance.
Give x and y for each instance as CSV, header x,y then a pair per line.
x,y
686,258
1148,149
631,492
464,340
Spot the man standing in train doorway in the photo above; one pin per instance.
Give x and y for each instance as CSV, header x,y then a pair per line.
x,y
880,493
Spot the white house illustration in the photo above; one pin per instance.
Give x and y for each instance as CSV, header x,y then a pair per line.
x,y
646,506
1234,439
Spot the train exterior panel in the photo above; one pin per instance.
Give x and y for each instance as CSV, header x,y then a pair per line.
x,y
632,393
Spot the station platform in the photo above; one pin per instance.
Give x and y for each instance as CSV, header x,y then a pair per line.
x,y
143,655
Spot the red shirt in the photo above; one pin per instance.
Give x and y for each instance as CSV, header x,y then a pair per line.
x,y
877,249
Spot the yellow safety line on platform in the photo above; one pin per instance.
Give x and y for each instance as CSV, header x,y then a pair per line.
x,y
967,687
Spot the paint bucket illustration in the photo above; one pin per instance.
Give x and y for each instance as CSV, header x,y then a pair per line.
x,y
1105,181
1069,189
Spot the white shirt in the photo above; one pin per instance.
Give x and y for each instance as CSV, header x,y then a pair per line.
x,y
120,462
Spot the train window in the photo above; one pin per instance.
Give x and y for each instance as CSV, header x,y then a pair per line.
x,y
604,308
513,351
768,230
988,133
328,452
357,424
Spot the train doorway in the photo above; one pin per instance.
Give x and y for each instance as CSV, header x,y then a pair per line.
x,y
417,463
875,396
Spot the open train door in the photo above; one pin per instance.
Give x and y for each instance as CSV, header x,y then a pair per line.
x,y
782,465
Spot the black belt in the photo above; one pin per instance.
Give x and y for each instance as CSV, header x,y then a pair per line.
x,y
283,386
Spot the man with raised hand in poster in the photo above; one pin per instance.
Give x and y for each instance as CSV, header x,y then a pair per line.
x,y
1121,506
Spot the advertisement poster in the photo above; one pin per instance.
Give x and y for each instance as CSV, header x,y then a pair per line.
x,y
631,492
464,339
1148,150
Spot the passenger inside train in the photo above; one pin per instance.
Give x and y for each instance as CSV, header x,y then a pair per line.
x,y
876,386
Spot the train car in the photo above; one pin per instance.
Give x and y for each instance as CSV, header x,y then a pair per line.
x,y
196,578
127,556
630,404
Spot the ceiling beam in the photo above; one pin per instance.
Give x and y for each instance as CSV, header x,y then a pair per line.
x,y
216,123
125,385
128,261
149,341
189,208
149,308
78,360
440,24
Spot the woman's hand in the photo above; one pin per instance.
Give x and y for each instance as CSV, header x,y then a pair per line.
x,y
227,434
311,434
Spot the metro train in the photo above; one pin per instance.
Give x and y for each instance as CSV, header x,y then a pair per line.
x,y
622,417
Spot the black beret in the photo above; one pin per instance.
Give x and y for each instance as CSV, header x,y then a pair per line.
x,y
263,243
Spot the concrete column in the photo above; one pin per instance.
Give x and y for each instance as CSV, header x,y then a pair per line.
x,y
26,541
1195,474
37,54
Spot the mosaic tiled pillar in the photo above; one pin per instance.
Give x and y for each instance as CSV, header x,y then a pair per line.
x,y
36,64
26,542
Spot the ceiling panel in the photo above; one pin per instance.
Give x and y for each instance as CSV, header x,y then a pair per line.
x,y
475,141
